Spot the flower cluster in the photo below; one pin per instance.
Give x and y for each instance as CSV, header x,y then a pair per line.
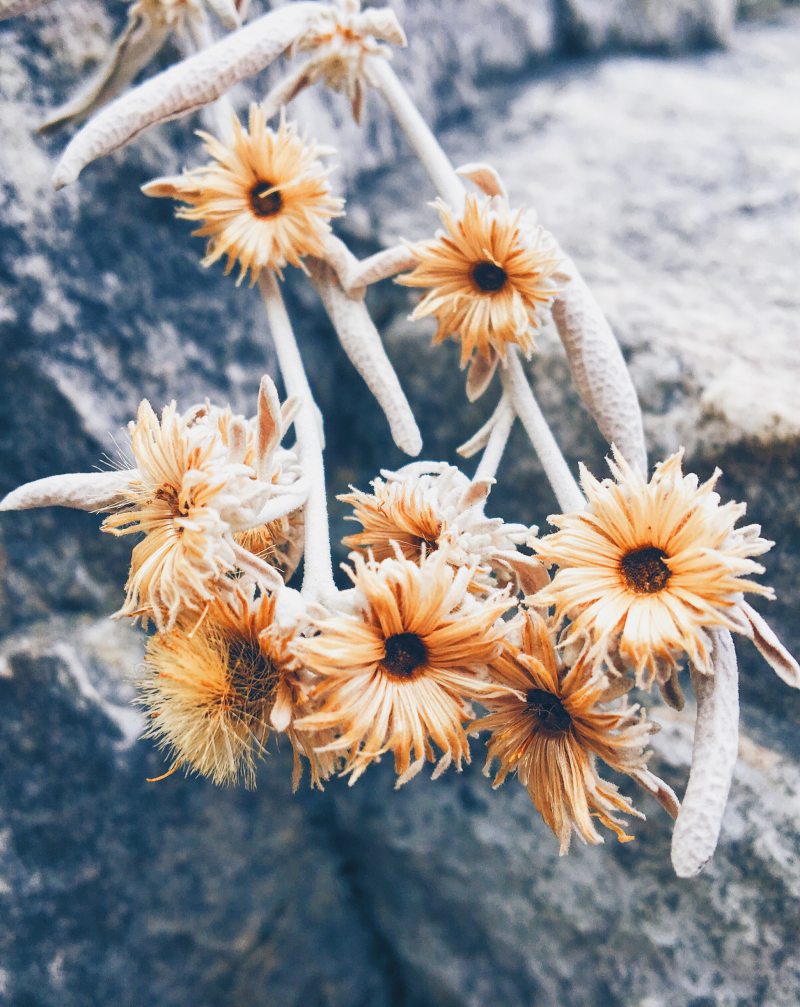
x,y
456,624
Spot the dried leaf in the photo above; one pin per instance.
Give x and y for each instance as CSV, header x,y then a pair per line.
x,y
186,86
771,648
598,367
716,741
362,344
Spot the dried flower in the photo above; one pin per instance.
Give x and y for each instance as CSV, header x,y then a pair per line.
x,y
341,39
212,692
488,280
191,493
427,507
648,568
551,730
264,201
395,676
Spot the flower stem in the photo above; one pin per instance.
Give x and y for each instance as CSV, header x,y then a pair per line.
x,y
318,569
450,187
498,439
518,389
418,133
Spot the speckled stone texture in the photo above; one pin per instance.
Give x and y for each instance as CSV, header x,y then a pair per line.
x,y
670,175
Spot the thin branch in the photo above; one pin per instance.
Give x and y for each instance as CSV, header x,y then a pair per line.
x,y
318,571
519,391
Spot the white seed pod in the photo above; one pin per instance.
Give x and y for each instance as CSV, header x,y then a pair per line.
x,y
362,343
10,8
716,743
132,51
186,86
597,365
89,491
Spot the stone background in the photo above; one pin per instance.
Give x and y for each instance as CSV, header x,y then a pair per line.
x,y
659,141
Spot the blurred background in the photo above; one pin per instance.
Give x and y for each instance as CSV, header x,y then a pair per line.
x,y
658,139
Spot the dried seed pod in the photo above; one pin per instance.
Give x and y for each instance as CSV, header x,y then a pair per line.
x,y
189,85
362,344
716,743
597,365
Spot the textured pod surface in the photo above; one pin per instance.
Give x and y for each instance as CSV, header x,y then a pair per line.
x,y
89,491
187,86
362,343
598,367
716,743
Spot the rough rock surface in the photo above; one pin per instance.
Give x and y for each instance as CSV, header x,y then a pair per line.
x,y
673,182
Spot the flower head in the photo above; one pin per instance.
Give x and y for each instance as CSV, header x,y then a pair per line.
x,y
396,675
551,729
427,507
190,494
648,567
213,692
264,201
488,277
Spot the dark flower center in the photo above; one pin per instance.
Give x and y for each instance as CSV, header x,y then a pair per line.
x,y
265,200
404,653
644,570
489,277
549,711
252,675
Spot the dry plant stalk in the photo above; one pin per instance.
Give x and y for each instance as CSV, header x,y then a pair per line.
x,y
449,608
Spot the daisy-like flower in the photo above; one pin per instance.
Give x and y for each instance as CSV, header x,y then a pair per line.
x,y
264,200
551,729
213,691
648,567
488,277
396,675
427,507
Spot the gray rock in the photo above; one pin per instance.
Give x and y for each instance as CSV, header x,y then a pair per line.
x,y
673,183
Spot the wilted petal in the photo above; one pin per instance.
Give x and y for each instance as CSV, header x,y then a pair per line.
x,y
485,177
598,367
270,426
132,51
362,343
771,648
382,23
480,373
716,742
186,86
90,491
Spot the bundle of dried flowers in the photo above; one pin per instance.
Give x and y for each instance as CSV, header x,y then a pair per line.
x,y
645,572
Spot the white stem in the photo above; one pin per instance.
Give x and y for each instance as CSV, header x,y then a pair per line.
x,y
518,389
418,133
498,439
318,571
451,189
